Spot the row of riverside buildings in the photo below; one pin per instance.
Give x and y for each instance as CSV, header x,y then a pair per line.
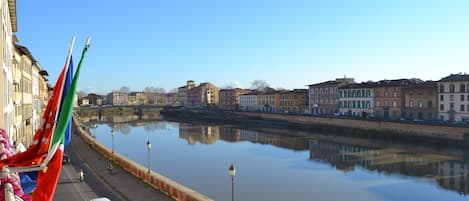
x,y
412,99
23,83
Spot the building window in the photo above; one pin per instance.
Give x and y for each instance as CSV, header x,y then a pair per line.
x,y
420,104
394,104
462,108
411,103
451,106
429,104
442,107
377,103
385,93
462,97
451,88
441,97
451,97
394,93
442,88
462,88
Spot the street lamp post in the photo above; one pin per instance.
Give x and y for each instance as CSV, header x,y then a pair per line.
x,y
109,166
148,148
232,172
112,146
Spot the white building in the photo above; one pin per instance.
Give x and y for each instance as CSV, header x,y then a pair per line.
x,y
248,102
356,100
8,23
453,98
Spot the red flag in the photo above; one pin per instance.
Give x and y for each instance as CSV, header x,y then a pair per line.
x,y
46,186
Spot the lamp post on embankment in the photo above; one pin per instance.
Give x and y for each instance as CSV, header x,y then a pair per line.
x,y
109,167
148,148
232,172
112,143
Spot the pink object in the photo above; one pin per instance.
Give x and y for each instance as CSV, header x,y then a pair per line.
x,y
6,150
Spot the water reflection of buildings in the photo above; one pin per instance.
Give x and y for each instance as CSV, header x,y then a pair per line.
x,y
199,133
210,134
276,139
446,171
454,176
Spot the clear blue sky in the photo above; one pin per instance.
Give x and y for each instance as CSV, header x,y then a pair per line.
x,y
288,43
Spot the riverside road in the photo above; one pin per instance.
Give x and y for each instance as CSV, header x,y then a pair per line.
x,y
118,185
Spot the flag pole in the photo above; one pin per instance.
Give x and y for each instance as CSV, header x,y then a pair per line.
x,y
67,63
72,89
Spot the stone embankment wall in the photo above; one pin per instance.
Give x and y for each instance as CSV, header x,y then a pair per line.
x,y
436,131
410,129
164,184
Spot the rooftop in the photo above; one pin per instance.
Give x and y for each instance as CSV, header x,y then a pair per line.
x,y
455,77
25,51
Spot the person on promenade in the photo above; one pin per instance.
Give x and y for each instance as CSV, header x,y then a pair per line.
x,y
109,167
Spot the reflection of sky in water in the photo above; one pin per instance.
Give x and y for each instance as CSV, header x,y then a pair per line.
x,y
264,172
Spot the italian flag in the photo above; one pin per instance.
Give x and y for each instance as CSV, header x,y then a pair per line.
x,y
47,179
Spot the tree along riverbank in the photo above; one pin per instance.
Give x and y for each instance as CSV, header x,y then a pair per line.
x,y
370,129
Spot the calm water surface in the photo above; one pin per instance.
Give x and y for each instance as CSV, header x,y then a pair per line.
x,y
283,165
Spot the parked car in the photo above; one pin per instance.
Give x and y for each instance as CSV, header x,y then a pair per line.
x,y
65,159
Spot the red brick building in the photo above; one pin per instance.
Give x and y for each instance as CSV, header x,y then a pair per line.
x,y
228,99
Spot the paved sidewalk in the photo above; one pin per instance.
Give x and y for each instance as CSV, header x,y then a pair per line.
x,y
125,185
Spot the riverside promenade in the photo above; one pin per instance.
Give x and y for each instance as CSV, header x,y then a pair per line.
x,y
118,185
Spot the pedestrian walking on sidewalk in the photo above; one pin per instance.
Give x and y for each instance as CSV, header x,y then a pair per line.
x,y
81,175
109,167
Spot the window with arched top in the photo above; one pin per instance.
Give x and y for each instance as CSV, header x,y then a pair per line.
x,y
420,104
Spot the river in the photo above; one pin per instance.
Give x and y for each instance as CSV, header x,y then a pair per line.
x,y
275,164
